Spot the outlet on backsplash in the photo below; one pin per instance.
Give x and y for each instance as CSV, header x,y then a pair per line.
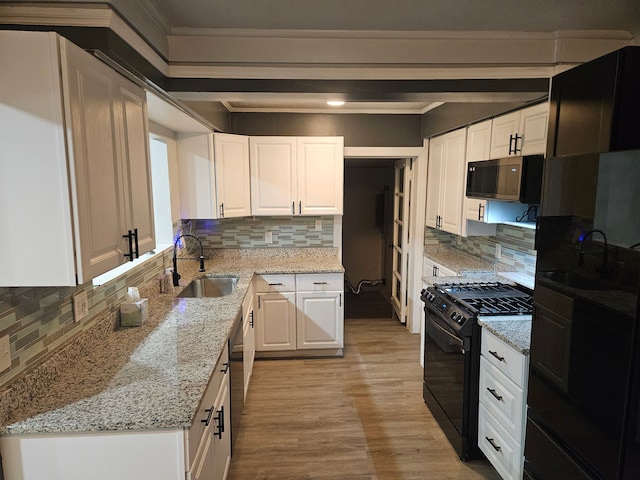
x,y
498,253
5,353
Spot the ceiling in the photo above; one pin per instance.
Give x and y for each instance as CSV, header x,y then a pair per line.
x,y
380,56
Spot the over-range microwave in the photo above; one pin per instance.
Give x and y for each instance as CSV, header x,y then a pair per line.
x,y
517,179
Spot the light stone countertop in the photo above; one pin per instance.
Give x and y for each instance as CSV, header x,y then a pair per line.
x,y
515,333
153,376
460,262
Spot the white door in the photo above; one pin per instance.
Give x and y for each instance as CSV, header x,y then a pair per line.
x,y
233,180
273,175
478,149
401,209
275,320
452,182
319,320
503,132
434,181
533,125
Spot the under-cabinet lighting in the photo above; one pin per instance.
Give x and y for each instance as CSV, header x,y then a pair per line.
x,y
335,103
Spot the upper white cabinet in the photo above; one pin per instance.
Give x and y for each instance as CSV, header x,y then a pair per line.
x,y
296,175
231,153
523,132
76,134
445,181
197,176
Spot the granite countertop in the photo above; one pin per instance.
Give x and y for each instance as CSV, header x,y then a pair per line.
x,y
514,332
153,376
460,262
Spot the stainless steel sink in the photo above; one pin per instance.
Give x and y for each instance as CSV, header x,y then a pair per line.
x,y
205,287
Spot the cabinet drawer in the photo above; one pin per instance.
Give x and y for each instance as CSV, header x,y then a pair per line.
x,y
199,425
320,282
509,361
275,283
504,453
503,398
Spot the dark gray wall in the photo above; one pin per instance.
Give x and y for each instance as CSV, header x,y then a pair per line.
x,y
454,115
357,130
214,112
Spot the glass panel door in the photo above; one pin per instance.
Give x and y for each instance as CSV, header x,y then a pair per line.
x,y
401,206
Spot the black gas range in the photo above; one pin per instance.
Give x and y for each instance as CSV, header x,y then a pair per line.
x,y
452,352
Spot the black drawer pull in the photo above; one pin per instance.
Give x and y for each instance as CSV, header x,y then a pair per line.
x,y
220,420
493,444
225,367
495,354
275,284
492,391
320,283
208,419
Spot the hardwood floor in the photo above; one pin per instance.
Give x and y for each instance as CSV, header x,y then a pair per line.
x,y
358,417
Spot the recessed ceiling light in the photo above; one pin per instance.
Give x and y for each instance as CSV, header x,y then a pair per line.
x,y
335,103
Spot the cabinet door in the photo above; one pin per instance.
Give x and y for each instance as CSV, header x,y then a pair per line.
x,y
34,180
452,180
233,181
320,175
533,128
503,130
248,339
222,432
99,196
434,179
197,176
320,320
136,161
275,320
273,175
478,149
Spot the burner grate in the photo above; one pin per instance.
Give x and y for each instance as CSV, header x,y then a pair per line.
x,y
489,298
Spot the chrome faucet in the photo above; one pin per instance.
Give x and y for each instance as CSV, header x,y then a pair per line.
x,y
176,275
605,254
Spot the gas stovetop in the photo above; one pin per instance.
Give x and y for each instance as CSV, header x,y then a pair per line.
x,y
488,298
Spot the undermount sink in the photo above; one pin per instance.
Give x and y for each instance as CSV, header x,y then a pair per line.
x,y
206,287
571,279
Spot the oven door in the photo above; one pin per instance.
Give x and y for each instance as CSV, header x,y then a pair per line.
x,y
444,368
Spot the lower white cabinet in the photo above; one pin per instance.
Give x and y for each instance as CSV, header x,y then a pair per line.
x,y
299,312
202,451
431,268
502,411
248,338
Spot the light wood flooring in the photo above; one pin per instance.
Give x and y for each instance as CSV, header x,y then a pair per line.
x,y
358,417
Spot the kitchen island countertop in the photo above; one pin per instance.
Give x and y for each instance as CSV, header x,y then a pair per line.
x,y
153,376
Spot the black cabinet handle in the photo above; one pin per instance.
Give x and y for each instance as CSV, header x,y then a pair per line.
x,y
220,420
135,232
208,419
493,444
222,210
293,208
225,367
513,144
340,299
495,354
129,237
320,283
300,208
492,391
480,212
251,321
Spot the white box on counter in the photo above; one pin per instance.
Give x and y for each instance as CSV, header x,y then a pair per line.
x,y
134,314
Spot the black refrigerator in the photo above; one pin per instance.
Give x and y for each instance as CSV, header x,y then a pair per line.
x,y
583,417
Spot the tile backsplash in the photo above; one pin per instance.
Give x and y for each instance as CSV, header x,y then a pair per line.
x,y
249,232
517,245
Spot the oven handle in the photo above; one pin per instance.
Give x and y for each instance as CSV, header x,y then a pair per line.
x,y
435,323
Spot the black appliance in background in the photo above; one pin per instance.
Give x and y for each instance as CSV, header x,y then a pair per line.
x,y
452,353
516,179
583,420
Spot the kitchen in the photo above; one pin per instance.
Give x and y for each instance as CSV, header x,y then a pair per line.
x,y
28,304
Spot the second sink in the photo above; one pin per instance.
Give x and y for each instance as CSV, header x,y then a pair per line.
x,y
204,287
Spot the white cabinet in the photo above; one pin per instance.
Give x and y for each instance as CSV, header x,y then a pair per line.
x,y
523,132
202,451
248,337
445,178
76,132
319,321
233,180
214,175
209,438
502,412
296,175
431,268
299,312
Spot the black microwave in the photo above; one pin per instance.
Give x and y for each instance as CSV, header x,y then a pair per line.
x,y
516,179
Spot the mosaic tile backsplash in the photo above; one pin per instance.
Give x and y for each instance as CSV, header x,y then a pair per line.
x,y
249,232
517,246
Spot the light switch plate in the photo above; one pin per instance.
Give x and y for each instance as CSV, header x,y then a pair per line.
x,y
268,237
80,306
498,250
319,224
5,353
